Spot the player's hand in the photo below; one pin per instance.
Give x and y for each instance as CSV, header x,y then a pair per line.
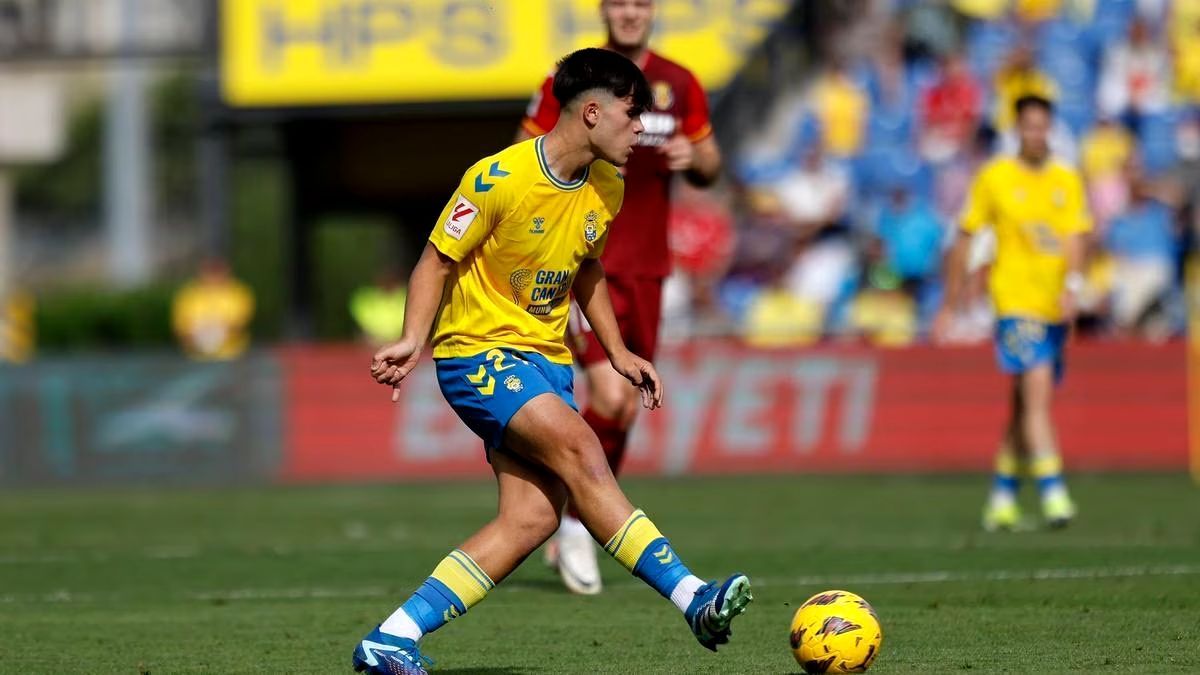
x,y
641,374
1069,303
943,325
393,363
678,152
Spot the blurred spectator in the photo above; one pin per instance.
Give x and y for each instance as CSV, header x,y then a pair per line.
x,y
1187,171
378,309
1185,49
211,313
1019,76
701,238
1134,78
1036,10
776,317
813,199
911,236
841,107
893,81
950,110
1143,242
813,195
982,9
883,312
17,336
1106,151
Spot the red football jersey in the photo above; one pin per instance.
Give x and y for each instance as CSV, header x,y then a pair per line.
x,y
637,239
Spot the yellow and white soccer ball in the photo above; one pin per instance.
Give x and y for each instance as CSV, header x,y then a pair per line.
x,y
835,632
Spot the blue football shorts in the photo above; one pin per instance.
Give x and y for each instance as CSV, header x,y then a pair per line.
x,y
1023,344
487,389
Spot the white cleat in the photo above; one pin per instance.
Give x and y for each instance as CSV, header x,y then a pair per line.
x,y
577,560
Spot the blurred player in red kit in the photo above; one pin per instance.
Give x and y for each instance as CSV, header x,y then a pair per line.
x,y
677,138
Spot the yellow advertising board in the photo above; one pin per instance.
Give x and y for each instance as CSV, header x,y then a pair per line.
x,y
334,52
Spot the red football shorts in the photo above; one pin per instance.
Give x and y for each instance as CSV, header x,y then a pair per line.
x,y
637,302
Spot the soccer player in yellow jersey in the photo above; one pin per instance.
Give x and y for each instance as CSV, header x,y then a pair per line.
x,y
526,229
1036,207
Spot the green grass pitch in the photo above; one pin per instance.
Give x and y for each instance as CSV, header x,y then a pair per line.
x,y
287,579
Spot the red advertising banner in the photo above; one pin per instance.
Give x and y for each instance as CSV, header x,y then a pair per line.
x,y
1123,406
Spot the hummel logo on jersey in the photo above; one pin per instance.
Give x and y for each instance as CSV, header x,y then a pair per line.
x,y
664,554
538,222
462,214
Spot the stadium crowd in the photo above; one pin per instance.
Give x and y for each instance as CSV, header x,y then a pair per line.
x,y
837,218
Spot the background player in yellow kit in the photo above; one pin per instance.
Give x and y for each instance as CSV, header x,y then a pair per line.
x,y
1036,206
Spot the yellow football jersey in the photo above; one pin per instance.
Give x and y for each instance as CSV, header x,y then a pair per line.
x,y
1032,211
519,235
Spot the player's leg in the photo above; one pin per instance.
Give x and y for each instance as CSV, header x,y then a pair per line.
x,y
612,409
1002,511
612,405
530,503
1037,390
549,433
610,412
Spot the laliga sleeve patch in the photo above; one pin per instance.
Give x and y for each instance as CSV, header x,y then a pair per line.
x,y
461,217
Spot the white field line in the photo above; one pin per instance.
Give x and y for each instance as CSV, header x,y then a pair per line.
x,y
938,577
870,579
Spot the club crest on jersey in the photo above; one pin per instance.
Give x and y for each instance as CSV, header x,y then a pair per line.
x,y
590,231
462,214
538,222
513,383
664,96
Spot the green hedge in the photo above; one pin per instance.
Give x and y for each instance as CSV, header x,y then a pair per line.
x,y
88,318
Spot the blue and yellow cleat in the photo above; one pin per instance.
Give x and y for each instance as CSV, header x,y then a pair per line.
x,y
714,607
383,654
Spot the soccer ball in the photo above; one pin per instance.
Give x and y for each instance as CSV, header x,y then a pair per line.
x,y
835,632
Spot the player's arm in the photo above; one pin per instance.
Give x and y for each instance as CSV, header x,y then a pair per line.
x,y
694,151
466,220
976,215
954,271
591,294
700,162
1075,245
1074,251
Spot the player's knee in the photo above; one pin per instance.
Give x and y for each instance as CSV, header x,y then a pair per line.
x,y
609,402
618,403
531,527
585,466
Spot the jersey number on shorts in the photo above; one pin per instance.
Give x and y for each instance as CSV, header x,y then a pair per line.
x,y
484,383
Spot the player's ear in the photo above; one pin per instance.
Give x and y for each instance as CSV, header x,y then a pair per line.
x,y
591,112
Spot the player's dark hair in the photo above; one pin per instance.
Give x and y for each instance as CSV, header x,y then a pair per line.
x,y
593,68
1033,101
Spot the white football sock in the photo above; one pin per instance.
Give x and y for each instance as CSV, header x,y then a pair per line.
x,y
685,591
1002,498
571,526
401,624
1057,490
